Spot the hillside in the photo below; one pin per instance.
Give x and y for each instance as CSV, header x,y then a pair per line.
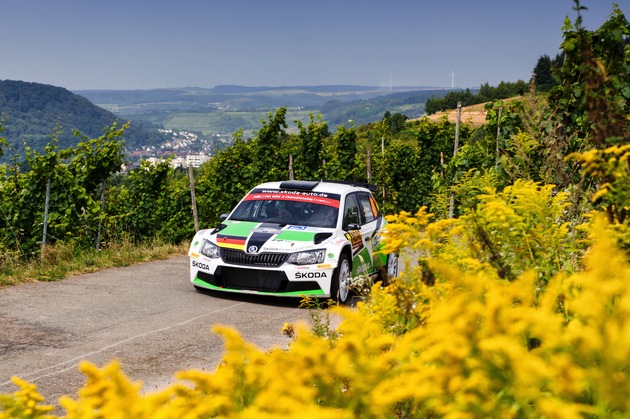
x,y
473,114
32,111
233,98
225,109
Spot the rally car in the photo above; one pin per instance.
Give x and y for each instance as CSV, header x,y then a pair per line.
x,y
295,238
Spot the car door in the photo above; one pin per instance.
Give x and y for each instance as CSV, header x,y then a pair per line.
x,y
360,224
370,226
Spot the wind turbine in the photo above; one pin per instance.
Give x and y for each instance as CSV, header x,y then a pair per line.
x,y
452,78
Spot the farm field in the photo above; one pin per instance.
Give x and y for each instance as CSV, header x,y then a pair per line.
x,y
223,122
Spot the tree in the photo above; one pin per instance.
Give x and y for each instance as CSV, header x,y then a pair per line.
x,y
406,190
225,179
543,74
267,147
346,140
592,100
395,122
311,140
75,176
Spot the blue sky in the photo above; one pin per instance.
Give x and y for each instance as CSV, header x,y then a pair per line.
x,y
144,44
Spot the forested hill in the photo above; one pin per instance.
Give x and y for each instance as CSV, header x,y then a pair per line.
x,y
32,111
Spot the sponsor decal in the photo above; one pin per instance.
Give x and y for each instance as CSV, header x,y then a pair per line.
x,y
297,228
195,255
374,205
267,230
362,262
248,291
356,239
361,268
331,256
200,265
325,266
196,243
310,275
299,196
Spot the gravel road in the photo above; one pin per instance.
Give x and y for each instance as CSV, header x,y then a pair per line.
x,y
148,316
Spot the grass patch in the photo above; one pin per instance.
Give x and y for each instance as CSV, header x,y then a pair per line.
x,y
63,260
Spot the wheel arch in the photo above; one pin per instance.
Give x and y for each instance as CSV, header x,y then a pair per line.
x,y
347,250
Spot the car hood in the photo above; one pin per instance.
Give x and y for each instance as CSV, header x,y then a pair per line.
x,y
254,237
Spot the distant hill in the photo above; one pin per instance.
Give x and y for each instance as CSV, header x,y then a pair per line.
x,y
33,110
369,110
224,109
229,97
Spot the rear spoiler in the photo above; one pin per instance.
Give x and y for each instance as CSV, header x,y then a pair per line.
x,y
309,185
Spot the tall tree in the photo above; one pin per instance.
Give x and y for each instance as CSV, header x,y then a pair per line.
x,y
542,75
225,179
346,139
311,140
593,97
267,146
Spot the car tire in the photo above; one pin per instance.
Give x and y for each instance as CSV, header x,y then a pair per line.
x,y
392,265
340,285
390,270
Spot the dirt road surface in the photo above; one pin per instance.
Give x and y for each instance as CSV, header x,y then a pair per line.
x,y
148,316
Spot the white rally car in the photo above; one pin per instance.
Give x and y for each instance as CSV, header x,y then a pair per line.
x,y
295,238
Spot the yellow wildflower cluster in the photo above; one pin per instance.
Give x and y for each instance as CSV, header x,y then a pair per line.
x,y
24,403
486,348
450,338
505,234
495,348
611,170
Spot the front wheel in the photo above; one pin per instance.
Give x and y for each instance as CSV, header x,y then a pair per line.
x,y
340,285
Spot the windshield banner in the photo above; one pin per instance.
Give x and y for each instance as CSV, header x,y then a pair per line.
x,y
332,200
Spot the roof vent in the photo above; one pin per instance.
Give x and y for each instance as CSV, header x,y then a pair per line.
x,y
299,185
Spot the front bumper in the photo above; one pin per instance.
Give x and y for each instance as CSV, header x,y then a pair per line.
x,y
285,280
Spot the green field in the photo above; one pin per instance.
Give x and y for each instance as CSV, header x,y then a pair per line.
x,y
223,122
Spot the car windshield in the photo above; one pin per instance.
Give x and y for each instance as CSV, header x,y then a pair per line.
x,y
284,211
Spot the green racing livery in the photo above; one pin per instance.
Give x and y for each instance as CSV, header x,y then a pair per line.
x,y
295,238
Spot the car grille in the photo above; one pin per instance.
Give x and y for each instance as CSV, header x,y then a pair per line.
x,y
247,279
255,280
238,257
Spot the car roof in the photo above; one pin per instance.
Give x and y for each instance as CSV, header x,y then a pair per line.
x,y
340,187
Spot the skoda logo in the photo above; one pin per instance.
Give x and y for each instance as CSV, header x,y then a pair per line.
x,y
252,249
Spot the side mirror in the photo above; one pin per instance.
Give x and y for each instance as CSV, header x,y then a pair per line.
x,y
223,217
352,226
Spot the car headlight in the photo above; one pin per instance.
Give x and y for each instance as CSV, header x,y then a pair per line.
x,y
307,258
210,249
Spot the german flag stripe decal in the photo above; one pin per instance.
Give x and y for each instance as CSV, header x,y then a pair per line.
x,y
231,242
